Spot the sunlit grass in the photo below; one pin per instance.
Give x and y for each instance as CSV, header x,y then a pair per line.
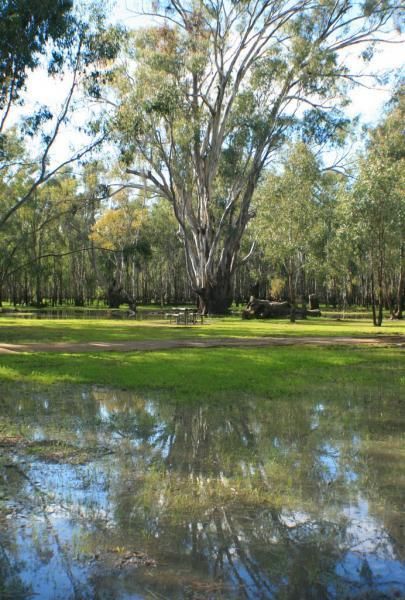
x,y
215,373
200,372
17,330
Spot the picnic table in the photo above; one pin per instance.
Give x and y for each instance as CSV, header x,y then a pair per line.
x,y
185,316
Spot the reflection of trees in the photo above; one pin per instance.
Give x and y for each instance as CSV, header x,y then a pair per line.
x,y
11,585
220,493
381,421
242,499
38,542
50,413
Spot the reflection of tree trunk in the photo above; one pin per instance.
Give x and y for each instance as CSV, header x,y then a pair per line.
x,y
194,544
66,559
248,563
245,434
225,549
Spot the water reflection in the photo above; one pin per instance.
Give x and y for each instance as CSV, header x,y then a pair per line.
x,y
105,494
71,313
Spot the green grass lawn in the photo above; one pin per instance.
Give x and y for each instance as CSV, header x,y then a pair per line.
x,y
212,374
18,330
202,373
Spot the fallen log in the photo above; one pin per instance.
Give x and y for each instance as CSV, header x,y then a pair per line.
x,y
266,309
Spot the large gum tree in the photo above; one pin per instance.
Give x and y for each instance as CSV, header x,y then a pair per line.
x,y
208,93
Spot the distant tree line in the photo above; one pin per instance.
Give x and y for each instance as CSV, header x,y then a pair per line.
x,y
339,235
212,189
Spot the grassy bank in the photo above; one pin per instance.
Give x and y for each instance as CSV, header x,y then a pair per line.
x,y
17,330
215,373
202,373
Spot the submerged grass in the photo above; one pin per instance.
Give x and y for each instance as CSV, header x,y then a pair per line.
x,y
215,373
17,330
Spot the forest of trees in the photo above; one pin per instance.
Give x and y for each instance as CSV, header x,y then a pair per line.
x,y
218,128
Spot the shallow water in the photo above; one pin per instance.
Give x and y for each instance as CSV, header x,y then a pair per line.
x,y
99,314
105,494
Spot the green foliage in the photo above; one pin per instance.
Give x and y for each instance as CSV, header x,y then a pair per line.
x,y
200,109
207,98
289,210
321,127
26,27
378,201
33,29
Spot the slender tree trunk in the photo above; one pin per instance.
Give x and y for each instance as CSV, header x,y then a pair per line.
x,y
304,293
373,300
380,308
401,285
380,282
291,293
38,290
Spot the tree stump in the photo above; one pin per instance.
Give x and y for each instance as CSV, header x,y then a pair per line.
x,y
116,295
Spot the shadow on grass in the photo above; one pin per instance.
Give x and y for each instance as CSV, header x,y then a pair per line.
x,y
210,373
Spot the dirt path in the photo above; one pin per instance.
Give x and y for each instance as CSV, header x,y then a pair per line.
x,y
149,345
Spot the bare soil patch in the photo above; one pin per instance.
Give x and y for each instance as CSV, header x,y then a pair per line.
x,y
155,345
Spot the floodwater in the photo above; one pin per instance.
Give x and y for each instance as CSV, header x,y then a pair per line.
x,y
140,315
102,314
108,495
